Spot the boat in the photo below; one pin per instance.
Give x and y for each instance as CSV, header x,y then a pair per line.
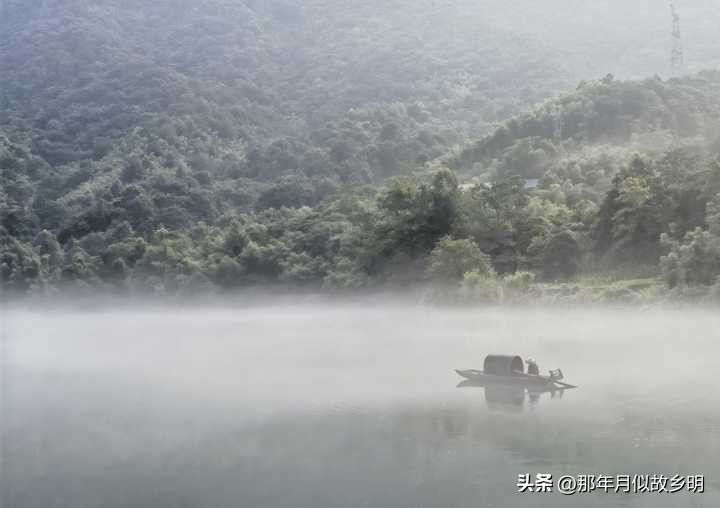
x,y
510,370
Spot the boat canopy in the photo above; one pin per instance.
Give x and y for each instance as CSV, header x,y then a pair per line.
x,y
503,365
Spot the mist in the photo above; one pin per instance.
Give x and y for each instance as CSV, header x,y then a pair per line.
x,y
353,404
255,253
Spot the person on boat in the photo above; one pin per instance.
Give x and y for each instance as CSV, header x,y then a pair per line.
x,y
533,368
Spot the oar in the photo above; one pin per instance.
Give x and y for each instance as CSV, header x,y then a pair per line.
x,y
565,385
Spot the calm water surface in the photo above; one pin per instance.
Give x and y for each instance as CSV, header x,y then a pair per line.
x,y
349,406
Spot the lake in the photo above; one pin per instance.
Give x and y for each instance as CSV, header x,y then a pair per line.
x,y
350,405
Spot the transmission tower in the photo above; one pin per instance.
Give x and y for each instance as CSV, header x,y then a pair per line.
x,y
677,58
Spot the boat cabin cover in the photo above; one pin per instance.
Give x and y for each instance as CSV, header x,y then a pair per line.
x,y
503,365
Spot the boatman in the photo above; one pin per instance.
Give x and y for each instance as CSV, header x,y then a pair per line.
x,y
533,368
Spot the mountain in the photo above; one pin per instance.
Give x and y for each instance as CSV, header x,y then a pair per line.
x,y
245,142
607,115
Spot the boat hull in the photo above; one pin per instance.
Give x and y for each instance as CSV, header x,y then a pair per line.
x,y
479,378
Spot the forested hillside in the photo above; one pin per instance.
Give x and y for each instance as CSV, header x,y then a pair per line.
x,y
171,145
602,124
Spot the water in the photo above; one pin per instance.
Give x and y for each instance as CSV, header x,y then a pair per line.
x,y
349,405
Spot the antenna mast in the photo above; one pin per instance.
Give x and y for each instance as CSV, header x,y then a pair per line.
x,y
677,58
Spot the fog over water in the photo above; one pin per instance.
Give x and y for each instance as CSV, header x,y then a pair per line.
x,y
349,405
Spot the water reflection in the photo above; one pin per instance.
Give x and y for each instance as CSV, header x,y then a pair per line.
x,y
354,408
511,398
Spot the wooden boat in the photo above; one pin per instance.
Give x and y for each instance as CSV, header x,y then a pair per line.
x,y
510,370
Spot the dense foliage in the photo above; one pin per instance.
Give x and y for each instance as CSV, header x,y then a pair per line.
x,y
657,212
173,145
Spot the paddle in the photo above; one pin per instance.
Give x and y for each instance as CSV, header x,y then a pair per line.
x,y
566,385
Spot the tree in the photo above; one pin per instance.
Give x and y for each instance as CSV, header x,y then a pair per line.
x,y
633,215
451,259
289,191
133,170
713,216
51,255
228,273
79,266
20,266
416,215
561,256
693,261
